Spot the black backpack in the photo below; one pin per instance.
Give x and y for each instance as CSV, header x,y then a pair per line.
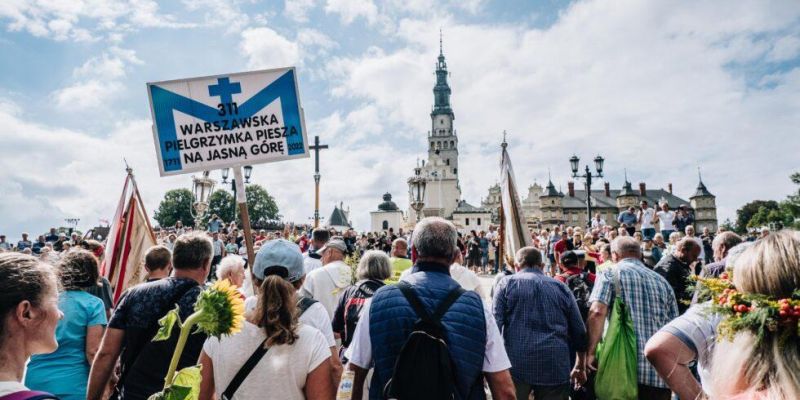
x,y
580,287
423,369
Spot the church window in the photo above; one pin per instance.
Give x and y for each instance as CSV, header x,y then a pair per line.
x,y
441,121
452,144
455,171
445,144
479,221
448,161
467,224
385,225
431,144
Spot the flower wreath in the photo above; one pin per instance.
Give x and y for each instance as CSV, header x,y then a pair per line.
x,y
760,314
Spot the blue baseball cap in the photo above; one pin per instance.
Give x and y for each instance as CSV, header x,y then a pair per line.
x,y
282,254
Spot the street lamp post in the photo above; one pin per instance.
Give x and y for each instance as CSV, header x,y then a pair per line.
x,y
202,188
598,165
416,190
248,171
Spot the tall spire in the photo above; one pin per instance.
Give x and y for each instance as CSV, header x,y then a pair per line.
x,y
441,92
504,144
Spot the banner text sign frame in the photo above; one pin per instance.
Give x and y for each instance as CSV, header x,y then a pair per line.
x,y
221,121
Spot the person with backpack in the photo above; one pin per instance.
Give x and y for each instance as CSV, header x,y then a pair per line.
x,y
541,324
274,356
143,362
29,315
426,337
373,268
285,256
579,281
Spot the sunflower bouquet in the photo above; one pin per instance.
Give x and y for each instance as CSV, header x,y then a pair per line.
x,y
760,314
219,310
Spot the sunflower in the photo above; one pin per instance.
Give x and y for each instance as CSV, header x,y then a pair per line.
x,y
220,309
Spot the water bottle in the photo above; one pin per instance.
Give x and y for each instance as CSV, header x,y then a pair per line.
x,y
345,385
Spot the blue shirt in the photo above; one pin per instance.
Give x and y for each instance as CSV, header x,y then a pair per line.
x,y
65,372
214,225
628,218
541,323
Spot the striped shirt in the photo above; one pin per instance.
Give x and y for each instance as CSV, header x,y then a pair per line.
x,y
651,302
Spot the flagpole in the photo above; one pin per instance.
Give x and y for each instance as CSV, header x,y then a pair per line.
x,y
501,245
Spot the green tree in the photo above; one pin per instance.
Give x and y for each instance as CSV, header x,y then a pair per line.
x,y
176,206
220,203
749,210
260,205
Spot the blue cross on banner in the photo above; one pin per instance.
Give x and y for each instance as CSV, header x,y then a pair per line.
x,y
208,123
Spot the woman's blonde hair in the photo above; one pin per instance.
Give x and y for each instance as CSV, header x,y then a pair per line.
x,y
770,365
277,311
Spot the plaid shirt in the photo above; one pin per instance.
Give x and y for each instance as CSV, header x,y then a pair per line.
x,y
651,302
541,326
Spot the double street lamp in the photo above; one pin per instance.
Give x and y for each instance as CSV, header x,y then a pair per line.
x,y
248,171
587,175
416,191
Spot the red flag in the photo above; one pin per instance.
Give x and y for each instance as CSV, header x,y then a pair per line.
x,y
128,240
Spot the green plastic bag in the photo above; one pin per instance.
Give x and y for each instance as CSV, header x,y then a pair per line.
x,y
617,354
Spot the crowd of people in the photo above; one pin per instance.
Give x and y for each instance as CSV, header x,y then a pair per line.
x,y
412,319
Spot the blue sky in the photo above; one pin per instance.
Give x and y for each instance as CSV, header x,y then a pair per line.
x,y
656,87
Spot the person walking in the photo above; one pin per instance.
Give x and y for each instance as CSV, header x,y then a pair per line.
x,y
324,284
541,326
677,268
29,316
65,371
650,301
144,363
290,360
373,268
473,340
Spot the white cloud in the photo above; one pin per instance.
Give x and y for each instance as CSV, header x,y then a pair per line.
x,y
785,48
298,10
86,95
97,82
84,20
266,48
350,10
220,13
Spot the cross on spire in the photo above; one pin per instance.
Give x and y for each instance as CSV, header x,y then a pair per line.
x,y
225,90
504,144
699,175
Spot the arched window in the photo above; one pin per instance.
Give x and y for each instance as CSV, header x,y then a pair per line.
x,y
452,144
385,225
445,144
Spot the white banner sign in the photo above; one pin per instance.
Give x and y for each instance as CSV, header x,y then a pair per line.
x,y
227,120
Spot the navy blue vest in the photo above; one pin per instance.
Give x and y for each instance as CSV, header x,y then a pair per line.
x,y
391,319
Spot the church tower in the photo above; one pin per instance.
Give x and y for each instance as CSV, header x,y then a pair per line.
x,y
442,136
443,191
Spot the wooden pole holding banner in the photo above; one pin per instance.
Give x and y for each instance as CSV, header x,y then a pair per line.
x,y
241,199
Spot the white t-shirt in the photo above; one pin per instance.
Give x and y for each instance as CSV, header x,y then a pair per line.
x,y
665,221
466,278
646,218
281,373
8,387
310,264
697,328
324,284
315,317
495,357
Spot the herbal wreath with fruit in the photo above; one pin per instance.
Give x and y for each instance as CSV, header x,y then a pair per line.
x,y
757,313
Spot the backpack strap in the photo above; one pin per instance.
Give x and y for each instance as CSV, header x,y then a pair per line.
x,y
419,309
28,395
304,303
248,366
